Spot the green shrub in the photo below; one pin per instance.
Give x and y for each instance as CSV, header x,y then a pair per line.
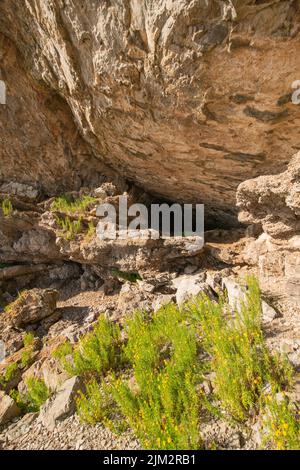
x,y
64,354
91,230
163,407
151,381
96,353
4,265
96,404
8,374
69,206
282,424
131,277
37,394
7,207
19,400
240,359
28,339
70,228
26,357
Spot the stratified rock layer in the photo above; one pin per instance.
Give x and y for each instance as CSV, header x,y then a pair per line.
x,y
187,98
274,202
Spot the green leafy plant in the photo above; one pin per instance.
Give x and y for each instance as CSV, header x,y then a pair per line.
x,y
91,230
7,207
19,400
9,374
240,359
64,354
96,404
282,424
163,406
3,265
26,357
150,377
37,394
131,277
28,339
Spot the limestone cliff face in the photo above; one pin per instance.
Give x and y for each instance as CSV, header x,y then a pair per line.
x,y
188,98
274,202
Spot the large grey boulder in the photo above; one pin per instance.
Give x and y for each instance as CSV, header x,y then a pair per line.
x,y
62,405
8,408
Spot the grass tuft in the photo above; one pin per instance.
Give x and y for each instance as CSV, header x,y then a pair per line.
x,y
69,206
6,207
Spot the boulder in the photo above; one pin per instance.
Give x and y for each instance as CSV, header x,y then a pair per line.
x,y
62,405
188,286
235,292
8,408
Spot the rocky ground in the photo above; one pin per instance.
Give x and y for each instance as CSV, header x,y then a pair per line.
x,y
184,101
27,434
73,280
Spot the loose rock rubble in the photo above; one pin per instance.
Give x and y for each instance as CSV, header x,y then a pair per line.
x,y
70,434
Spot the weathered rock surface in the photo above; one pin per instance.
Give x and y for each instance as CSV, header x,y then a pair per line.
x,y
187,98
32,306
8,409
188,286
62,405
273,202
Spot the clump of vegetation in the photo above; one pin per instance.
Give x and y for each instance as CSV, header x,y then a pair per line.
x,y
150,378
64,355
70,228
70,206
240,359
131,277
282,424
6,207
27,353
3,265
96,353
37,394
